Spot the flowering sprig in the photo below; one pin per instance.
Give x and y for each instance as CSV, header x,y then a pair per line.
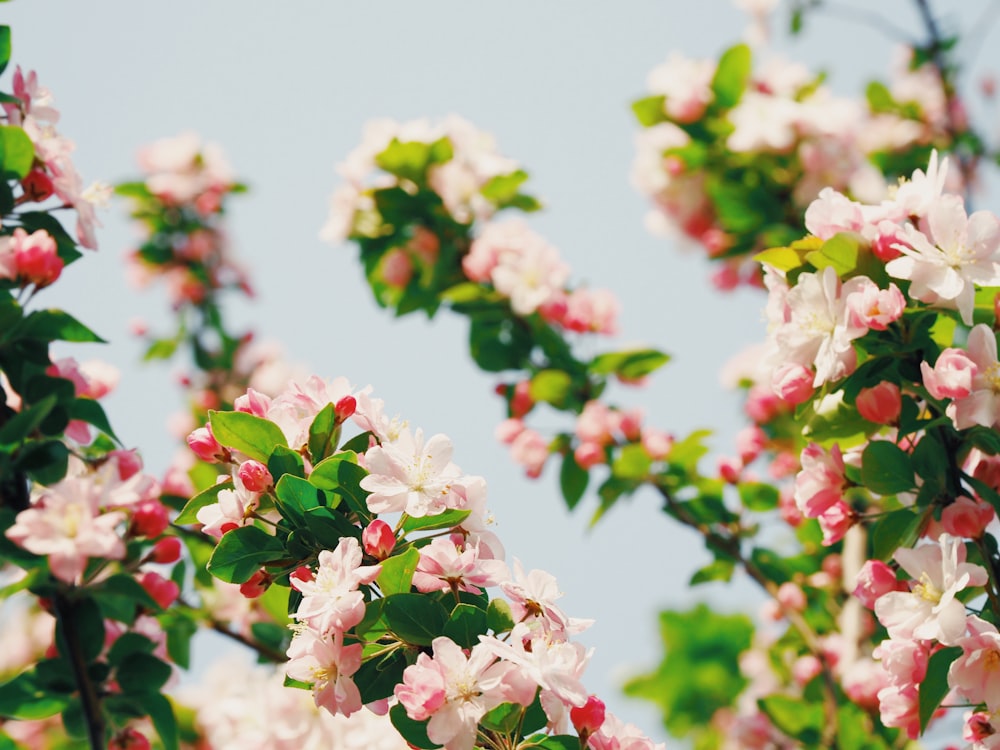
x,y
399,608
730,153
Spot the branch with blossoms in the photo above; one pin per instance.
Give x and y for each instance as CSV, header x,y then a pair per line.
x,y
731,153
385,546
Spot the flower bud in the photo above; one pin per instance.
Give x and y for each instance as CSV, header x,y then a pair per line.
x,y
167,550
345,408
880,404
793,383
588,718
378,539
163,591
302,574
205,446
255,476
149,519
589,454
791,597
259,583
874,580
967,518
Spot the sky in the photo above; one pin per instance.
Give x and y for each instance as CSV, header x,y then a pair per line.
x,y
285,89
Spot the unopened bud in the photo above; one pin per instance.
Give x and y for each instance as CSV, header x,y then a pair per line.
x,y
589,717
378,539
167,550
259,583
345,408
255,476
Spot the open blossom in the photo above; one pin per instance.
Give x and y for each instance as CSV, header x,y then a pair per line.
x,y
331,598
412,476
930,610
443,565
821,482
65,523
976,673
233,508
296,407
30,258
982,404
453,690
327,664
952,254
617,735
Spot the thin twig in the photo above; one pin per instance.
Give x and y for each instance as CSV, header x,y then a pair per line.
x,y
89,700
222,629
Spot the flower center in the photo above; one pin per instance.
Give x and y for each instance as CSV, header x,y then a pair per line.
x,y
927,590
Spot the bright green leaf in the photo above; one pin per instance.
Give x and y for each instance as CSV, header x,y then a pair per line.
x,y
247,433
189,514
397,572
16,148
731,75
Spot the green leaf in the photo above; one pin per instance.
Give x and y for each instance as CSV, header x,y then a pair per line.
x,y
796,718
241,553
447,520
247,433
141,671
415,618
407,160
555,742
56,325
550,386
323,433
901,528
630,365
341,474
397,572
632,462
16,149
650,111
189,514
23,423
780,258
573,480
179,632
45,461
119,596
284,461
378,676
498,616
886,468
160,349
839,252
732,75
758,496
502,188
4,47
465,624
90,411
22,698
161,711
935,686
414,732
504,718
717,570
294,496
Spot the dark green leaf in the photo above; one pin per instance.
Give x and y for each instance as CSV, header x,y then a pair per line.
x,y
323,434
56,325
241,553
886,468
161,711
22,698
465,624
414,732
901,528
90,411
573,480
285,461
45,461
25,422
378,676
4,47
141,671
796,718
414,618
247,433
935,686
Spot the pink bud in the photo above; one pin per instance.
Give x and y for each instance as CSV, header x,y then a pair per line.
x,y
630,424
729,469
259,583
508,430
345,408
378,539
951,376
302,574
521,402
129,463
149,519
967,518
874,580
205,446
880,404
588,718
791,597
793,383
255,476
750,442
37,186
657,444
589,454
397,268
165,551
163,591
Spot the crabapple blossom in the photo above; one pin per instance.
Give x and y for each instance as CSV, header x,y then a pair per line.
x,y
974,674
444,565
331,599
930,610
967,517
875,579
981,405
453,690
880,404
821,482
327,664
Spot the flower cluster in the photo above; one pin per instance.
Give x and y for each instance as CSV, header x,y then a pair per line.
x,y
399,608
730,153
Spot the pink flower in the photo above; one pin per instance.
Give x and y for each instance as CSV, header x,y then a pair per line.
x,y
930,610
835,522
533,595
331,600
617,735
378,539
412,476
453,690
976,673
871,307
327,664
874,580
793,383
967,517
65,523
982,404
531,450
444,566
821,481
30,258
951,376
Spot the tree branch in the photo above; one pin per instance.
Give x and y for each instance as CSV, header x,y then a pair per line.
x,y
89,699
